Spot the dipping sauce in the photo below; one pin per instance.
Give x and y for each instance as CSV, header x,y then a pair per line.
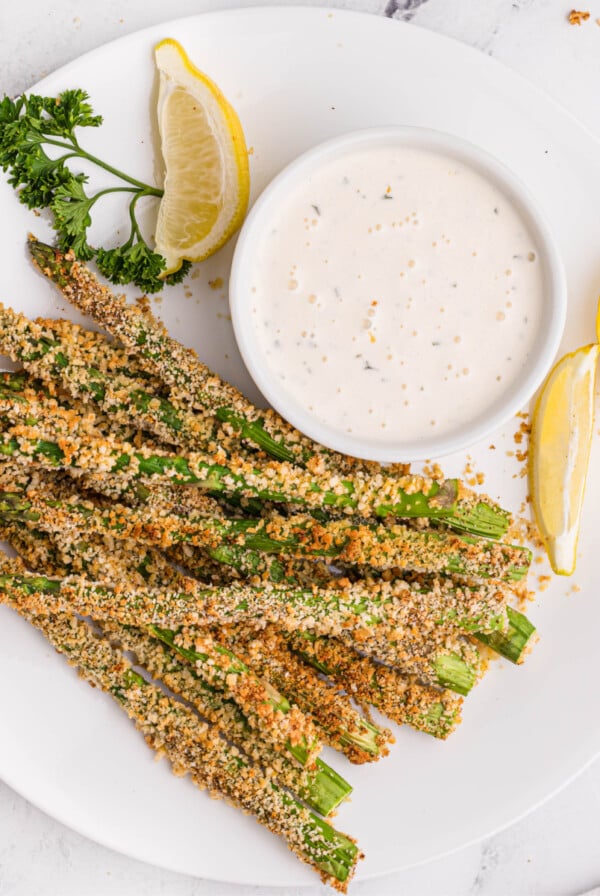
x,y
398,293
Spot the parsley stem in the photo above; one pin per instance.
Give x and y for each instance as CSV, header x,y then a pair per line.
x,y
94,199
101,193
146,188
77,151
135,230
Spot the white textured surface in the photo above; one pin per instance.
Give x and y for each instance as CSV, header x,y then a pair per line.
x,y
555,851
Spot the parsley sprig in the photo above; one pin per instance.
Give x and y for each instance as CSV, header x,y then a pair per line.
x,y
29,125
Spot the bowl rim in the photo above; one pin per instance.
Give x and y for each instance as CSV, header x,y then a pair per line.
x,y
505,407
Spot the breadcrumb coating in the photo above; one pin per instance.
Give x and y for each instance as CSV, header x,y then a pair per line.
x,y
343,727
195,748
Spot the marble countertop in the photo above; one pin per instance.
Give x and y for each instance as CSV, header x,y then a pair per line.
x,y
555,851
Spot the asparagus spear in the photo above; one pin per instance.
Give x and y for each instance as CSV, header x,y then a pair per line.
x,y
401,698
514,643
196,749
200,388
343,727
228,564
440,656
283,725
59,436
321,787
44,510
346,730
391,606
344,540
88,366
48,348
72,552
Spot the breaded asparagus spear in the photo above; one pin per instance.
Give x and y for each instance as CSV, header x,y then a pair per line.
x,y
346,540
181,620
196,749
343,727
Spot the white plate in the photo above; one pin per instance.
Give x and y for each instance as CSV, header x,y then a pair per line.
x,y
297,77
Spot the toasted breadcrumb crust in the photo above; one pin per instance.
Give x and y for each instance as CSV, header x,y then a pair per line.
x,y
191,746
402,698
576,17
346,540
343,727
408,648
39,415
42,555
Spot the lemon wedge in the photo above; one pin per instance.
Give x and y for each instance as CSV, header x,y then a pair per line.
x,y
207,183
561,435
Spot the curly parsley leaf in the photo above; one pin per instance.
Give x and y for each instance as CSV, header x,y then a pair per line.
x,y
179,275
135,263
38,142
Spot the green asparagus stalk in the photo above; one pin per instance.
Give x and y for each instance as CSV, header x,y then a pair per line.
x,y
47,347
226,564
515,643
283,725
344,540
387,606
344,728
401,698
322,788
200,388
58,436
96,557
176,618
192,747
218,665
88,366
44,511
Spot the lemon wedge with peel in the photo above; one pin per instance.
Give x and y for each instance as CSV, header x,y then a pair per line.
x,y
561,435
207,183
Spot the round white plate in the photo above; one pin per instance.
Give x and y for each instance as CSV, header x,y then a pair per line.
x,y
297,77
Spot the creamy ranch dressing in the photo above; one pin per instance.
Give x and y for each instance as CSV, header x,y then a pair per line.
x,y
398,294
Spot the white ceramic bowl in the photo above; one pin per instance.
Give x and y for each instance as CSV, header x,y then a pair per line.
x,y
259,222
